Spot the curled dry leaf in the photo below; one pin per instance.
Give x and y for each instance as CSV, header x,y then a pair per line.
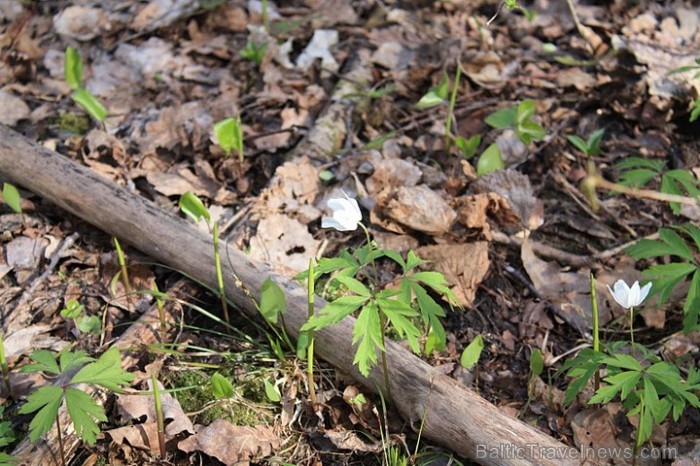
x,y
474,211
142,436
464,266
283,242
417,207
136,407
230,444
516,188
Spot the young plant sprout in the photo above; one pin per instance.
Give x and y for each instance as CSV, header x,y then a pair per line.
x,y
193,207
629,298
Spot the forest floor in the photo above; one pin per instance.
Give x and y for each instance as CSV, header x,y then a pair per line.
x,y
327,92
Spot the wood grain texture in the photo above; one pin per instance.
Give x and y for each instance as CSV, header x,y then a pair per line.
x,y
455,416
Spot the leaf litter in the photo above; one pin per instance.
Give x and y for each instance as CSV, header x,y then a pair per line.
x,y
168,69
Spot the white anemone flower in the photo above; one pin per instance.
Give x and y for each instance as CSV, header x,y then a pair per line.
x,y
346,214
629,297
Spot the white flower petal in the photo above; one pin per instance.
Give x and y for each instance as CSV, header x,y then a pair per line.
x,y
346,214
633,297
644,292
620,293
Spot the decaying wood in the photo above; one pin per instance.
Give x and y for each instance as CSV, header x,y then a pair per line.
x,y
455,416
146,330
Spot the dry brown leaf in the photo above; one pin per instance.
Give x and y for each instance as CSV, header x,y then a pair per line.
x,y
232,445
143,436
284,243
392,173
81,23
417,207
568,292
292,190
473,211
136,407
464,266
516,188
595,431
349,440
13,109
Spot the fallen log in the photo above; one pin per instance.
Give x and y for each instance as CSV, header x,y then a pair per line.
x,y
454,416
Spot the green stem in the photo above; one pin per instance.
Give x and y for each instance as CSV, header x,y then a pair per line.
x,y
311,300
450,111
219,273
3,365
61,452
596,335
160,421
632,328
385,365
125,272
369,244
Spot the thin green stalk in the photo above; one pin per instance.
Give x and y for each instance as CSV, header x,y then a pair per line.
x,y
385,365
159,415
161,309
125,272
3,364
61,452
632,329
311,299
219,272
450,110
369,243
596,330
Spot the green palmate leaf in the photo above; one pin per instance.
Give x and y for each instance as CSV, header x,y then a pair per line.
x,y
334,312
106,372
583,375
666,276
89,324
413,261
11,197
530,131
89,102
273,301
431,312
526,109
472,352
623,361
691,307
625,381
695,111
221,387
46,400
490,160
666,246
229,136
639,162
593,142
85,413
469,146
396,257
502,118
579,143
354,285
676,243
437,282
7,460
70,360
73,69
692,231
536,362
73,309
638,177
193,207
45,361
368,332
327,265
398,314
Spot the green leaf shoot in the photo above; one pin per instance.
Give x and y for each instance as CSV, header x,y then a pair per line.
x,y
490,160
193,207
11,197
472,352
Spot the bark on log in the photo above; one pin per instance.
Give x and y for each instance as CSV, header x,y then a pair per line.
x,y
455,416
